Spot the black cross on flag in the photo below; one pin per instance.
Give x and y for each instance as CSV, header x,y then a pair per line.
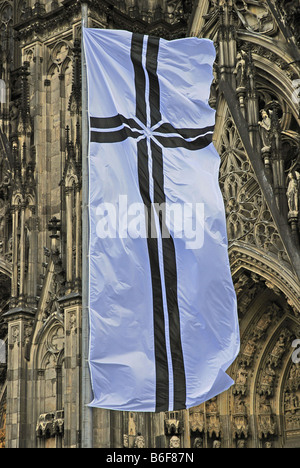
x,y
144,320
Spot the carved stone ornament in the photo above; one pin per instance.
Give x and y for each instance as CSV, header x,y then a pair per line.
x,y
15,335
248,217
265,321
217,444
125,441
255,16
279,349
50,424
292,400
139,442
249,350
265,129
241,380
55,340
266,422
198,443
240,426
241,69
267,381
196,417
292,411
172,423
213,418
293,382
241,444
174,442
240,419
58,423
44,426
293,193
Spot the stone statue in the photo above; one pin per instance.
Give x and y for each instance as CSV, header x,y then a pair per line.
x,y
291,402
125,441
242,375
250,347
278,350
212,405
3,211
14,118
264,405
263,323
239,405
174,442
139,441
198,443
241,444
268,375
217,444
294,373
293,192
241,69
265,128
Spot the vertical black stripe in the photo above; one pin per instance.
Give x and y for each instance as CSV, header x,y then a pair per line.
x,y
140,80
169,259
161,359
170,273
151,66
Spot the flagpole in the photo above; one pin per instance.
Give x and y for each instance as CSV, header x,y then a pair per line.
x,y
86,420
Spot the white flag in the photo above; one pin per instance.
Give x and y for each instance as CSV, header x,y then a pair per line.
x,y
163,316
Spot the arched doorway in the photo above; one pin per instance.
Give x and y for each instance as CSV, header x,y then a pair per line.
x,y
265,408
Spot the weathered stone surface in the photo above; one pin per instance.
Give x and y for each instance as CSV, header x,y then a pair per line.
x,y
255,94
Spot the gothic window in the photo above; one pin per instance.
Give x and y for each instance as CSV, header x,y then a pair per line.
x,y
6,30
50,385
248,217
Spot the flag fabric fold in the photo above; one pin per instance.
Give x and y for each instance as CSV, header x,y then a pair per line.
x,y
162,306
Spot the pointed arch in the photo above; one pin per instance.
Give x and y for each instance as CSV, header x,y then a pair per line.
x,y
48,361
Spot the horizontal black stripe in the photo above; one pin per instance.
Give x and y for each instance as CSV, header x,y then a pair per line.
x,y
113,137
177,142
104,123
184,132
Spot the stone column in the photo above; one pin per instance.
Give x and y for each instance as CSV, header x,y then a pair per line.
x,y
72,393
22,256
16,428
14,283
78,238
69,250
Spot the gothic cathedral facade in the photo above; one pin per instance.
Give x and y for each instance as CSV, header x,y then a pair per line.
x,y
256,96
